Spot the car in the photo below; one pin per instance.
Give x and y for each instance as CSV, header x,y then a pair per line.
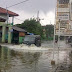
x,y
32,39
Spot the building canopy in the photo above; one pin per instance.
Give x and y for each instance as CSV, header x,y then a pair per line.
x,y
4,12
18,29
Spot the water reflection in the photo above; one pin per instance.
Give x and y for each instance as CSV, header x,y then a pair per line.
x,y
14,61
27,59
70,66
11,60
4,59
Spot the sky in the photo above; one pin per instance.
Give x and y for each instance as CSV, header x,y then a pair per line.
x,y
30,9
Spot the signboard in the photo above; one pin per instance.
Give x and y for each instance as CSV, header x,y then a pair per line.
x,y
63,16
21,34
63,6
64,22
63,25
63,9
63,1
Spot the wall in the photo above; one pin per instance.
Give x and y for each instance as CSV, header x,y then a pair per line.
x,y
63,14
21,37
3,16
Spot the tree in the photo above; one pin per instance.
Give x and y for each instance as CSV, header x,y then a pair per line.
x,y
32,26
48,31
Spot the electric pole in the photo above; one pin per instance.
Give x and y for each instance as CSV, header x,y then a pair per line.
x,y
38,16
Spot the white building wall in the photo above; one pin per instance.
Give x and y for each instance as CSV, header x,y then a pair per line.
x,y
3,16
63,9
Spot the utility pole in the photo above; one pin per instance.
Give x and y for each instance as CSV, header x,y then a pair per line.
x,y
38,19
54,42
7,14
38,16
53,61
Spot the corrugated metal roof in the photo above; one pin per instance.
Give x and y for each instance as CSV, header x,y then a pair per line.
x,y
18,29
4,11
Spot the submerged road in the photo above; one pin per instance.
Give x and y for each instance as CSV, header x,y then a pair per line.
x,y
15,58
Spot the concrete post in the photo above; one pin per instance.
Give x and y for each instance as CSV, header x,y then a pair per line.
x,y
3,33
12,20
9,34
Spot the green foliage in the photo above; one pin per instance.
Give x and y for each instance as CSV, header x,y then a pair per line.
x,y
32,26
49,31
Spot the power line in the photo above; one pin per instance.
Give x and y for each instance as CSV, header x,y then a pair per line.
x,y
19,19
17,3
12,6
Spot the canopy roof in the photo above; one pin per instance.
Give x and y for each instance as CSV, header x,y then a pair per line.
x,y
4,11
18,29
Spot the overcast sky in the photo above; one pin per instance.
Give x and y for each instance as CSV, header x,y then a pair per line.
x,y
30,8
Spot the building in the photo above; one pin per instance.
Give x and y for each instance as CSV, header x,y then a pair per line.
x,y
8,32
64,17
6,14
18,34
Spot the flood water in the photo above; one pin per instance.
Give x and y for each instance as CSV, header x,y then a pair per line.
x,y
36,61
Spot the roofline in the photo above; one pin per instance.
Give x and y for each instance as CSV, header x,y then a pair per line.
x,y
9,12
10,15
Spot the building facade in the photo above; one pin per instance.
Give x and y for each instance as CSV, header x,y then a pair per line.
x,y
5,27
63,17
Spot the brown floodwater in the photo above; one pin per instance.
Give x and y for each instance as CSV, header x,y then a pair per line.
x,y
19,61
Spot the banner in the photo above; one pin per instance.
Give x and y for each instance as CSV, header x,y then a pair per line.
x,y
63,1
64,22
63,16
63,10
63,6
